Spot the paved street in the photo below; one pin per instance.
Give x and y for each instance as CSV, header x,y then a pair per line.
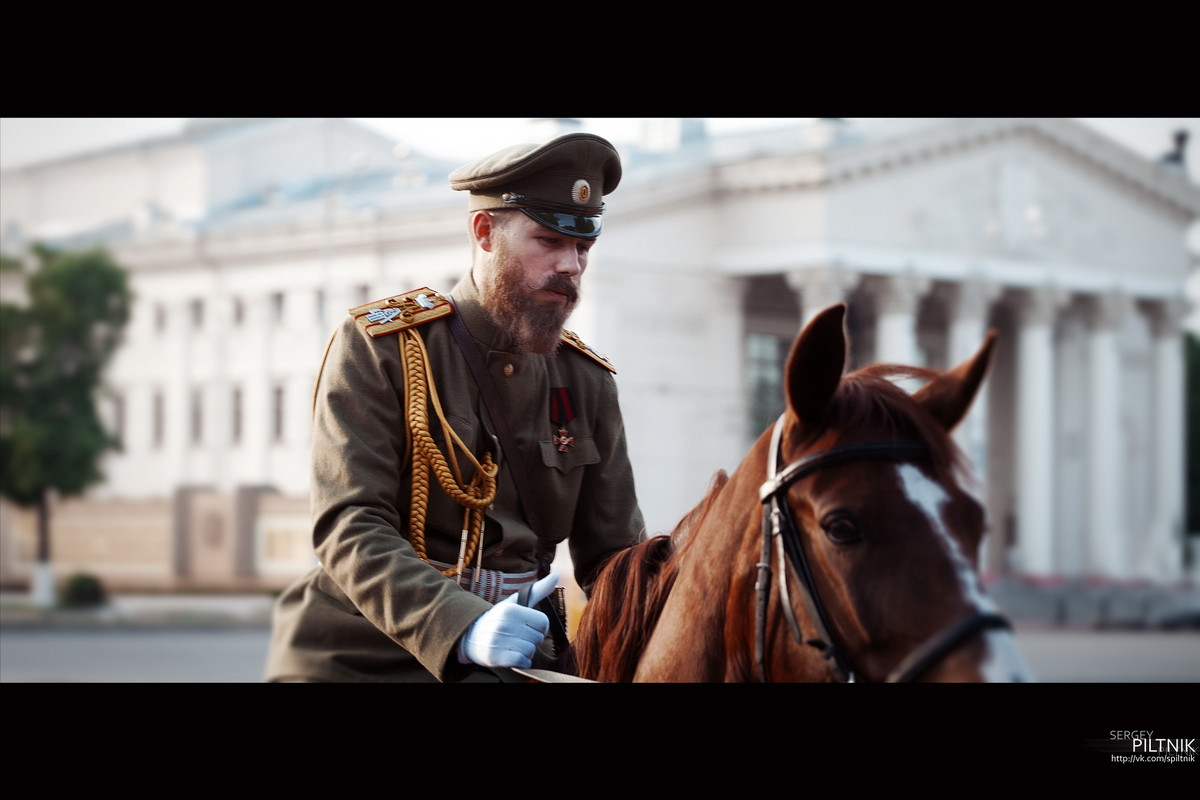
x,y
1081,656
134,655
122,654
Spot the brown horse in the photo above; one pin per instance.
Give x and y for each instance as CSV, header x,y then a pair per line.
x,y
843,547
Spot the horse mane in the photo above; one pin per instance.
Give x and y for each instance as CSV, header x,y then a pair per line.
x,y
627,599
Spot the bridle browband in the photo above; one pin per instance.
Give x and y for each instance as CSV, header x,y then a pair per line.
x,y
780,526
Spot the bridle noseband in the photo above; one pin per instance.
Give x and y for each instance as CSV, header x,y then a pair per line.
x,y
779,526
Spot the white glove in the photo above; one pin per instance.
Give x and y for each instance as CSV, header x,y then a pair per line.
x,y
507,634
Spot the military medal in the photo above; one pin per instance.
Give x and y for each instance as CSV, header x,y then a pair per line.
x,y
564,440
562,411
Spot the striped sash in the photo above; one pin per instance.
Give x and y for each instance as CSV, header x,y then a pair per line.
x,y
492,584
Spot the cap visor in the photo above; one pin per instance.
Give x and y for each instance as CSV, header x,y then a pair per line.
x,y
571,225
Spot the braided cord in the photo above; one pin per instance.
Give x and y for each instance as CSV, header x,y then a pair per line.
x,y
474,496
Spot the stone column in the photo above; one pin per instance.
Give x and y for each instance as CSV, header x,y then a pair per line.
x,y
722,402
820,287
257,421
1105,526
1035,431
1162,557
218,404
896,300
967,304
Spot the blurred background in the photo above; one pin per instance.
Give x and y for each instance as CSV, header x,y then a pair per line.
x,y
242,242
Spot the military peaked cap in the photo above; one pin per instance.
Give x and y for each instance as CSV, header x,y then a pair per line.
x,y
559,184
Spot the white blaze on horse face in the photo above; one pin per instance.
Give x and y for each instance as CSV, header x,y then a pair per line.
x,y
929,497
1005,662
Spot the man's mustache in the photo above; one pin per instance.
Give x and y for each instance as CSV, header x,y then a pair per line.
x,y
561,284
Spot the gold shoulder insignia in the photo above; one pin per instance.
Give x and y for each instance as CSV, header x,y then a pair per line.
x,y
402,311
572,338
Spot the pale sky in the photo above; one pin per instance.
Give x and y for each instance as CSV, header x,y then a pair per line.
x,y
25,140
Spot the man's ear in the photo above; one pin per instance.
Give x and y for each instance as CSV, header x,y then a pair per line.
x,y
483,230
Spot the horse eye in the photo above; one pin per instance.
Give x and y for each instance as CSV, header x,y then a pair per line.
x,y
841,529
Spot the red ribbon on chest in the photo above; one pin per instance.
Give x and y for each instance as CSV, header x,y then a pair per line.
x,y
562,411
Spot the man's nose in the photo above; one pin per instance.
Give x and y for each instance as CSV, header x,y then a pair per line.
x,y
571,263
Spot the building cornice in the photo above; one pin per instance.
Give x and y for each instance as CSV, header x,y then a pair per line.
x,y
346,232
866,156
942,266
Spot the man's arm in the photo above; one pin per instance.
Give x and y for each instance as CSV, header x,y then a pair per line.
x,y
607,517
358,446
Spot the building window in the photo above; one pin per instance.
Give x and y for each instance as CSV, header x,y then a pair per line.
x,y
160,318
197,416
277,414
277,308
361,294
320,305
235,417
158,415
239,311
196,308
765,357
772,314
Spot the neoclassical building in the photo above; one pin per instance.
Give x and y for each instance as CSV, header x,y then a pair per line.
x,y
247,239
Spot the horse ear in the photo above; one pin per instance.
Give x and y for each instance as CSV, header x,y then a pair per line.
x,y
815,365
949,396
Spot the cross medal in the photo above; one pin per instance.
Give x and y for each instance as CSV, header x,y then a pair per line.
x,y
562,411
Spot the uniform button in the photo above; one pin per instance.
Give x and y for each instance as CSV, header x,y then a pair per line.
x,y
509,369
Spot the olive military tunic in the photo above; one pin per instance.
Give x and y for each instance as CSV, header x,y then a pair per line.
x,y
372,610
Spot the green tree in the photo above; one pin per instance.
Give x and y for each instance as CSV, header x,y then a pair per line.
x,y
54,347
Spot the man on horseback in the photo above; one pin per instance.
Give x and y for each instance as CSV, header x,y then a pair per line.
x,y
457,439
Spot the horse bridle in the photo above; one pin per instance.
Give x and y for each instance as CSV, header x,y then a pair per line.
x,y
779,526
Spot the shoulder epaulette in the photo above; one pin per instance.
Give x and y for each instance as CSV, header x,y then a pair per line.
x,y
402,311
572,338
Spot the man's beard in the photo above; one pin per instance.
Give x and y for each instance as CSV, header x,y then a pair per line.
x,y
535,325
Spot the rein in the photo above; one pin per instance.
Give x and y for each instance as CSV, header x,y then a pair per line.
x,y
779,526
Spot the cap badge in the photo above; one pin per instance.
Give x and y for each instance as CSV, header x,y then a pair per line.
x,y
581,192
